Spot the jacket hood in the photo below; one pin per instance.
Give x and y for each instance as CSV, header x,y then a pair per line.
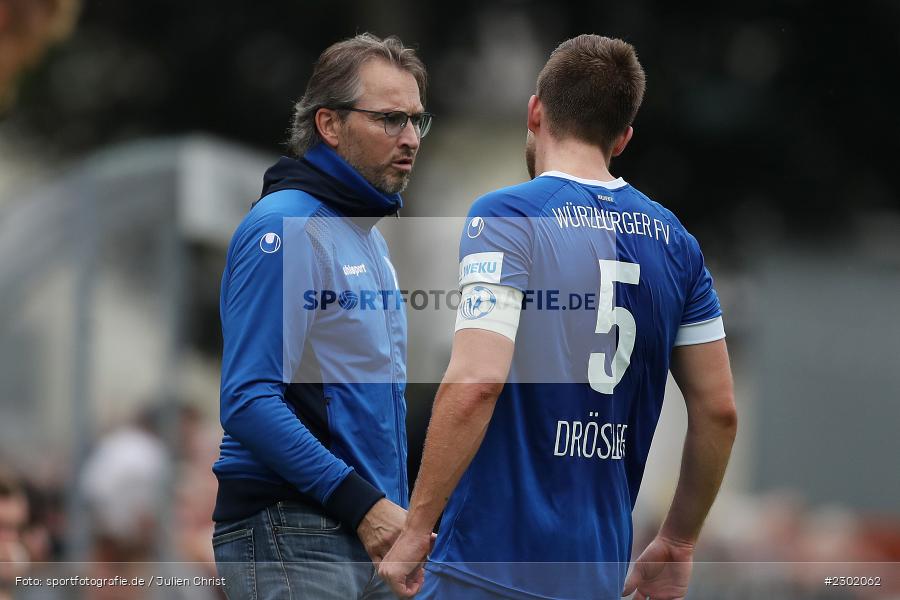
x,y
322,173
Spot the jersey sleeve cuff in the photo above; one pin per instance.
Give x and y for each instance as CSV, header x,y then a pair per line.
x,y
352,499
700,333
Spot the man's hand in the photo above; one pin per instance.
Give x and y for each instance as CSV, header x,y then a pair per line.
x,y
662,571
403,568
380,527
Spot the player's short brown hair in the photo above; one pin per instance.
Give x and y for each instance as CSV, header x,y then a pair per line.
x,y
335,80
591,89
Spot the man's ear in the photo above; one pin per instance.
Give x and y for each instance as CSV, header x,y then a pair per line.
x,y
327,124
535,114
623,140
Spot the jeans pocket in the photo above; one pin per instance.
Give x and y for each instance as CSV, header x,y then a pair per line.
x,y
305,534
296,517
235,562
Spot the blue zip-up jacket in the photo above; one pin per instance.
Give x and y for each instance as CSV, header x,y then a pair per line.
x,y
312,394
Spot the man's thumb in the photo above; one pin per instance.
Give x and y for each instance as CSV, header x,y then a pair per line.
x,y
631,583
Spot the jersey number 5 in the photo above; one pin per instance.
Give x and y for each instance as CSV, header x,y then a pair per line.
x,y
608,315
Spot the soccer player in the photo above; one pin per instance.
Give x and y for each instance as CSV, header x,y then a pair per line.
x,y
312,469
579,294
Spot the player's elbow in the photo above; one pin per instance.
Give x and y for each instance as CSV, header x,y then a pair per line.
x,y
239,409
718,413
724,416
486,390
472,390
483,380
231,418
478,397
480,389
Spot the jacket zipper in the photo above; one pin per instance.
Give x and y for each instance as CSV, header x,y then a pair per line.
x,y
394,399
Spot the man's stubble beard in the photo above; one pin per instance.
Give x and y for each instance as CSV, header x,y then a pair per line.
x,y
378,175
381,179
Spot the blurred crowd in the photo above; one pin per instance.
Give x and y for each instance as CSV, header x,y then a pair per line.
x,y
145,494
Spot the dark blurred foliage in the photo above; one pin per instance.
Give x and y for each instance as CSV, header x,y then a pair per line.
x,y
783,108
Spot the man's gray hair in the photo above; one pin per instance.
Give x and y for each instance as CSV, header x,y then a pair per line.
x,y
335,81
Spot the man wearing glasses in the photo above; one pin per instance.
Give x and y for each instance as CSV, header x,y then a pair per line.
x,y
312,467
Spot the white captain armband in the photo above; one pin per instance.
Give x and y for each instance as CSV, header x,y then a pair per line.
x,y
700,333
490,306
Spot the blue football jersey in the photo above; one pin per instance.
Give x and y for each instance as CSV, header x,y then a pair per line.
x,y
611,281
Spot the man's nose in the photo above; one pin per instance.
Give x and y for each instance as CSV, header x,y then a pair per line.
x,y
409,137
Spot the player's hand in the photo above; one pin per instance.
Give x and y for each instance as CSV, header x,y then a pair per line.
x,y
403,569
379,529
662,571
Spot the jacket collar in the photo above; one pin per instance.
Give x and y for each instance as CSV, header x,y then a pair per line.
x,y
324,174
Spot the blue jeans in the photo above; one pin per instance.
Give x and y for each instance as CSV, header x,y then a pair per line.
x,y
291,551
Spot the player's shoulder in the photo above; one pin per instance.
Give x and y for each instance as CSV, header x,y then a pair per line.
x,y
520,200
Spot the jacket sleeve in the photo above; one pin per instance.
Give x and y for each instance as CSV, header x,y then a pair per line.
x,y
265,323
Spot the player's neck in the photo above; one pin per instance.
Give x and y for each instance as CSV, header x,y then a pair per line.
x,y
575,158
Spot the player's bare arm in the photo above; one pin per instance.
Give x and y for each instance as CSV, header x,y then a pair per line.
x,y
703,374
479,364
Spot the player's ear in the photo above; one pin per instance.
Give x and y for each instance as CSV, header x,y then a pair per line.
x,y
535,110
623,140
327,124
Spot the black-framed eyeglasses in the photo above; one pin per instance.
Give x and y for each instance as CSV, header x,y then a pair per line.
x,y
396,120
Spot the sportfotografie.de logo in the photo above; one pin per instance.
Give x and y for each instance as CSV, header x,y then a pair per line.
x,y
477,303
